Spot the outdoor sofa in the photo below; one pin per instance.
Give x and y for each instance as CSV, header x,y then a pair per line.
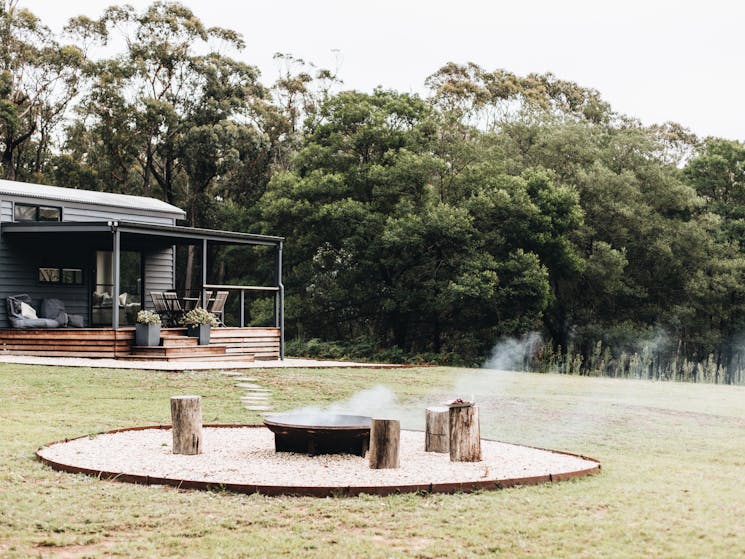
x,y
51,314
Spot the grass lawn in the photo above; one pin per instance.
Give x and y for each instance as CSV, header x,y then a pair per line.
x,y
672,485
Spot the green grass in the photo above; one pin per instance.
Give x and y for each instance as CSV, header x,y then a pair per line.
x,y
673,480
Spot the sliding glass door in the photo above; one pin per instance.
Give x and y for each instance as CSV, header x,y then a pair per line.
x,y
130,288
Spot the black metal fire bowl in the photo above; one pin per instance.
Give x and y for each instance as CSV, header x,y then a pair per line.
x,y
320,433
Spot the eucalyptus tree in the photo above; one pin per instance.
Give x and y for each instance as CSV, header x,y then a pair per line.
x,y
171,114
39,77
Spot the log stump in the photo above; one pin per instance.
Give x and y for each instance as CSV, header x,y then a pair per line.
x,y
385,437
186,417
437,429
465,434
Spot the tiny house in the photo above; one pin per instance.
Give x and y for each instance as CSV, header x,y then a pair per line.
x,y
103,254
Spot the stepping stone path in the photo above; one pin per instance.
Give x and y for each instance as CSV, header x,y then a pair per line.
x,y
256,398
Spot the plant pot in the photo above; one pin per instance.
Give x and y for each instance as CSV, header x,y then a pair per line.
x,y
147,334
201,331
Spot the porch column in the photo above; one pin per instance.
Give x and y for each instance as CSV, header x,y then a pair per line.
x,y
204,273
115,260
279,302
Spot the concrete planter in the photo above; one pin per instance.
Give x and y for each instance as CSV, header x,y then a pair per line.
x,y
200,331
147,334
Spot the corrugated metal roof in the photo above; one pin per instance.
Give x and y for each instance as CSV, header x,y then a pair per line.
x,y
74,195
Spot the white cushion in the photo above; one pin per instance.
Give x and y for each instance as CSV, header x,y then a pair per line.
x,y
27,311
123,299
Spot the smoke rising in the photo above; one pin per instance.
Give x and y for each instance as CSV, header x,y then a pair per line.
x,y
514,354
378,401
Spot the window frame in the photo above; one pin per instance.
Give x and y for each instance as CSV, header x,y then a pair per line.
x,y
37,212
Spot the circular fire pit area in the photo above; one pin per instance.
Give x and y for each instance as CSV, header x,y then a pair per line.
x,y
242,458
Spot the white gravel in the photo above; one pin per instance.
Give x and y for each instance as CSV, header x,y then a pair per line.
x,y
245,455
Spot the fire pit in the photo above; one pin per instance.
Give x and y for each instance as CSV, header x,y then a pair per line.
x,y
320,433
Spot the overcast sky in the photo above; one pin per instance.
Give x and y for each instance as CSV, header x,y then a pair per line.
x,y
657,60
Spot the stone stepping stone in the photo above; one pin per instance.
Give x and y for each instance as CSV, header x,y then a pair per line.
x,y
246,379
232,374
259,408
249,386
255,400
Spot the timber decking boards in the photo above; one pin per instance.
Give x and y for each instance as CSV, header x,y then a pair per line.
x,y
226,344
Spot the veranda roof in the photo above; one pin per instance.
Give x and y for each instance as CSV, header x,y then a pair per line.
x,y
173,234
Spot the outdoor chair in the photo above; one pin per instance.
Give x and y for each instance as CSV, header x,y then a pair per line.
x,y
162,307
159,303
175,310
218,307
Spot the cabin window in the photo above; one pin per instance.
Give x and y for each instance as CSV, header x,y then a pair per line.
x,y
64,276
27,212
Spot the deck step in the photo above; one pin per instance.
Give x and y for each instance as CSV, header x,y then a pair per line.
x,y
178,341
178,350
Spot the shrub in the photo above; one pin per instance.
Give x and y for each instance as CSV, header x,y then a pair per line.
x,y
148,317
197,316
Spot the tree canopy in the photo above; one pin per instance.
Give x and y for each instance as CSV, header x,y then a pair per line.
x,y
429,226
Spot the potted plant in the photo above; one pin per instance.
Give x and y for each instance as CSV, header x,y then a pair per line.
x,y
147,328
199,322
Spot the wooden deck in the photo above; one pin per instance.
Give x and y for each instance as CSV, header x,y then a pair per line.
x,y
226,344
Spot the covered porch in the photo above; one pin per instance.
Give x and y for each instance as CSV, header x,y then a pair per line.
x,y
109,332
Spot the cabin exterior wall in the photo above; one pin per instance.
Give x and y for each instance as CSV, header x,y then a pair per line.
x,y
21,259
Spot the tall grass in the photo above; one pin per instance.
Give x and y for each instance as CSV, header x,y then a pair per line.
x,y
649,363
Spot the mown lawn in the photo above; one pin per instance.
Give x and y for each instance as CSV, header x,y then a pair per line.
x,y
673,480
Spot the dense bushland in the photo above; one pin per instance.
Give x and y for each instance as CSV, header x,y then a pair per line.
x,y
418,229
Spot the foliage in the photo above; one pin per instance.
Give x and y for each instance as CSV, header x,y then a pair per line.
x,y
148,317
197,316
39,78
501,204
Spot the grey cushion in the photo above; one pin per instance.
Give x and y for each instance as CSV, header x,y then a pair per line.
x,y
75,320
34,323
51,308
63,318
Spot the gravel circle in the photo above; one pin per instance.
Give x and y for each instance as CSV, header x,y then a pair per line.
x,y
245,455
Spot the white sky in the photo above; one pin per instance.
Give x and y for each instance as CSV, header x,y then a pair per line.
x,y
657,60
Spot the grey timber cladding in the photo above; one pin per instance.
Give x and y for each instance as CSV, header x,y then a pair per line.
x,y
6,210
72,213
159,272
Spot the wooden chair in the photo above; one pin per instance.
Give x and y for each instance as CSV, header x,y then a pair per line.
x,y
161,307
175,310
159,303
218,307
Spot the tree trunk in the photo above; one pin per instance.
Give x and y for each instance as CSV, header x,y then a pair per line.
x,y
465,434
385,436
186,416
437,430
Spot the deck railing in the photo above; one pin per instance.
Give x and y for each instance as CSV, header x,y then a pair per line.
x,y
279,303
